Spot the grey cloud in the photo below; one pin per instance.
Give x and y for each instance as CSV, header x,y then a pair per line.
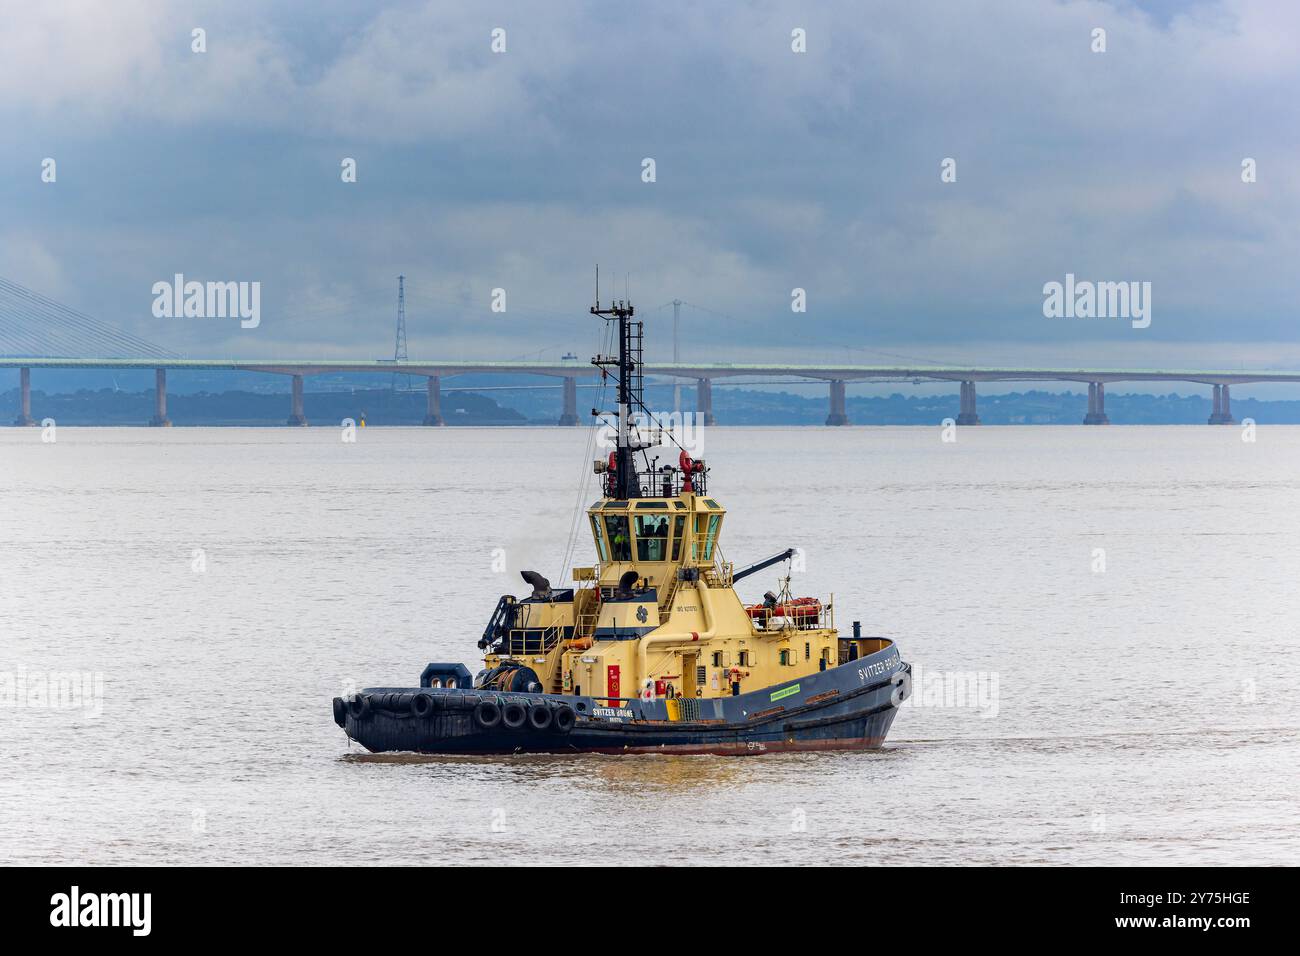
x,y
775,170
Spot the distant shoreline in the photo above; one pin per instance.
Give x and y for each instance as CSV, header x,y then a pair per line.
x,y
382,407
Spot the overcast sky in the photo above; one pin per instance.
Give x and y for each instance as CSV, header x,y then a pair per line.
x,y
775,170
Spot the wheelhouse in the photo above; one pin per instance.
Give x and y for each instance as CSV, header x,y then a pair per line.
x,y
655,534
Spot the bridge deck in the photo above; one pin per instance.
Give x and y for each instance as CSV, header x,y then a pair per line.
x,y
830,373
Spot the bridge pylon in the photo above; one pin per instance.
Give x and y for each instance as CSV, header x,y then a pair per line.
x,y
1096,405
160,419
296,416
967,413
25,398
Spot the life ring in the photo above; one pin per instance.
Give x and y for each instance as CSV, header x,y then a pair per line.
x,y
487,714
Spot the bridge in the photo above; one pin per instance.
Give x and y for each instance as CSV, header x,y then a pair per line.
x,y
38,334
703,375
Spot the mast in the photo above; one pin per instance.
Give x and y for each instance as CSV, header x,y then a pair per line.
x,y
625,483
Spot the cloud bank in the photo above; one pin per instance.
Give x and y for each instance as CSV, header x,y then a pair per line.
x,y
774,170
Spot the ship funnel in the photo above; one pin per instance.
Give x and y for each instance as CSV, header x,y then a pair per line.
x,y
541,586
624,589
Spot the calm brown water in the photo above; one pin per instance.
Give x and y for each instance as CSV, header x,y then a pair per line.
x,y
1144,713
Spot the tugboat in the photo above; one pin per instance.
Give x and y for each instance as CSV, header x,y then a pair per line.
x,y
653,651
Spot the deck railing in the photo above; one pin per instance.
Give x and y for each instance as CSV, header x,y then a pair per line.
x,y
521,642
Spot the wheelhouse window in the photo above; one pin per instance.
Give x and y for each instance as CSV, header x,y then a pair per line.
x,y
679,528
706,534
620,545
601,549
651,537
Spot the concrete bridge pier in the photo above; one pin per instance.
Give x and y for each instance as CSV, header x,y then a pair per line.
x,y
704,401
839,413
967,414
1222,414
570,413
1096,405
296,417
25,398
433,406
160,419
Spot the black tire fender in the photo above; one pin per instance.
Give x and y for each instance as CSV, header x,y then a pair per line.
x,y
514,715
564,719
487,714
540,717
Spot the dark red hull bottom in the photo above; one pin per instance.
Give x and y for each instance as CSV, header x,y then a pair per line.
x,y
749,749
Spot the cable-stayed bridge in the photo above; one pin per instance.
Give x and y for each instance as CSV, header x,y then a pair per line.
x,y
32,326
37,333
